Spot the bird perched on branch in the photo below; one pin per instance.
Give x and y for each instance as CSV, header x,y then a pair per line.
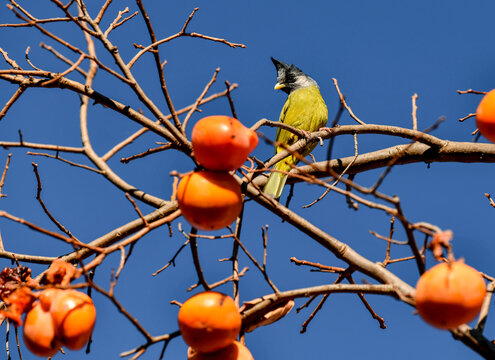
x,y
304,110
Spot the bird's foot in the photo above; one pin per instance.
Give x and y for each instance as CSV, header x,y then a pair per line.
x,y
327,129
304,133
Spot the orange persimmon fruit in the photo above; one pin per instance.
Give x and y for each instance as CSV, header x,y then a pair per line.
x,y
209,200
74,316
222,143
39,332
485,116
450,294
234,351
209,321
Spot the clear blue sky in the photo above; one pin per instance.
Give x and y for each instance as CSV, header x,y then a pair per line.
x,y
381,52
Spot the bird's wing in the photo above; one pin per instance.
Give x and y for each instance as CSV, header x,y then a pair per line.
x,y
305,110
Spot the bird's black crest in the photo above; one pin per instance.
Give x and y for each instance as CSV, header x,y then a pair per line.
x,y
287,74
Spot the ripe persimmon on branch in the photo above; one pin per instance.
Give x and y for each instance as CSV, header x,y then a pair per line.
x,y
219,195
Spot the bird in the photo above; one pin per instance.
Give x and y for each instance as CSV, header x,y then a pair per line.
x,y
304,110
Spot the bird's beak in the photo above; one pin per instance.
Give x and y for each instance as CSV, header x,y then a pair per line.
x,y
279,86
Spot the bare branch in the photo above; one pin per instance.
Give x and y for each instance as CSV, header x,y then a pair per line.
x,y
342,100
276,298
159,65
9,61
471,91
37,21
102,11
256,263
492,203
11,101
414,112
45,209
30,145
118,21
82,166
143,130
193,244
199,99
485,307
467,117
146,153
231,101
4,174
179,34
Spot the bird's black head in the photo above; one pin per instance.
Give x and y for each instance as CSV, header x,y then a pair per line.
x,y
290,77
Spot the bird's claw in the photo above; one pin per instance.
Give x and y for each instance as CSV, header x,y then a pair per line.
x,y
304,133
327,129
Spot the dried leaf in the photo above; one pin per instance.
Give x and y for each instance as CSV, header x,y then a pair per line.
x,y
13,278
441,240
18,302
60,272
270,316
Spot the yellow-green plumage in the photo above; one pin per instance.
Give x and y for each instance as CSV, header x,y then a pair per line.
x,y
304,109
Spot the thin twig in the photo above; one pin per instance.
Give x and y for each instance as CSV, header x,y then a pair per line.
x,y
7,333
4,174
415,112
235,259
224,281
82,166
256,263
467,117
17,343
485,307
123,311
389,245
137,209
342,100
45,209
117,21
179,34
313,313
8,60
62,74
20,90
471,91
146,153
47,232
172,260
306,304
57,148
199,99
356,154
492,203
264,236
29,61
102,11
193,244
368,307
159,65
37,21
63,58
231,101
392,241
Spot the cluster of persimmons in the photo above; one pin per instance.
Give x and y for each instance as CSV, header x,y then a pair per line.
x,y
59,318
56,316
448,295
210,199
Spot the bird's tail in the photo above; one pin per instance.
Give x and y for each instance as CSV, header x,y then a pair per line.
x,y
275,184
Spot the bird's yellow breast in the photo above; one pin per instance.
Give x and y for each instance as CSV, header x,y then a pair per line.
x,y
304,109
